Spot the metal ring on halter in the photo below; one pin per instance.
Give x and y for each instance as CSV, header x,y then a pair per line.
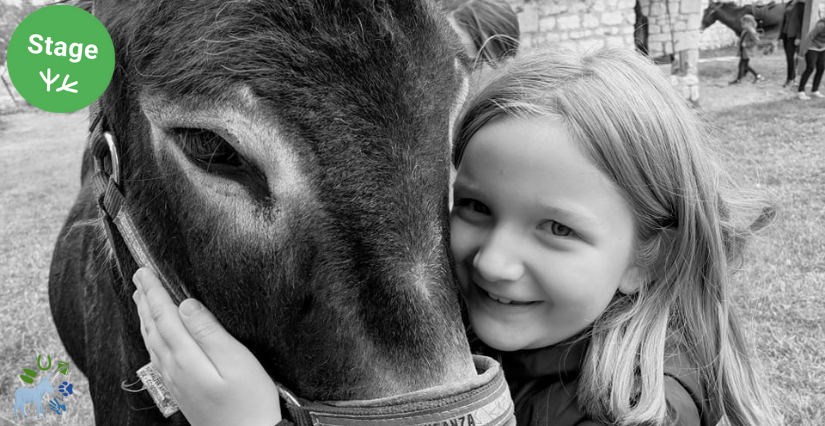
x,y
110,142
287,395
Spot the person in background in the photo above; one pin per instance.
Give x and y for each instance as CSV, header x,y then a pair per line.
x,y
489,29
594,239
814,60
748,40
790,36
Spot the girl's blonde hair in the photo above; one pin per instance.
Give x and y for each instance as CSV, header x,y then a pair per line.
x,y
641,134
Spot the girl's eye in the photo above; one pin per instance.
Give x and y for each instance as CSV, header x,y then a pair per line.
x,y
560,230
206,148
468,205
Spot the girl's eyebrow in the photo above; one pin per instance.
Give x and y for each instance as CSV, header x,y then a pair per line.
x,y
463,185
570,216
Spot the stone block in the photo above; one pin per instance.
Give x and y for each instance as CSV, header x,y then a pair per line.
x,y
547,24
554,8
569,22
529,19
552,37
615,41
694,21
614,18
526,42
629,41
591,21
690,6
686,40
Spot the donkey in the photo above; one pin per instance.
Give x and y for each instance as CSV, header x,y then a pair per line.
x,y
768,17
286,163
23,396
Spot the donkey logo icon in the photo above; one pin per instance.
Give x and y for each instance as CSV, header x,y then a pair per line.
x,y
24,396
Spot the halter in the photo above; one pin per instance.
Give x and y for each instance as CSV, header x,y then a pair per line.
x,y
483,401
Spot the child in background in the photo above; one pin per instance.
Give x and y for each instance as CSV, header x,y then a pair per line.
x,y
594,238
748,40
814,59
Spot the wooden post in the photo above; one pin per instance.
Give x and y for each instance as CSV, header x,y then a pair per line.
x,y
808,21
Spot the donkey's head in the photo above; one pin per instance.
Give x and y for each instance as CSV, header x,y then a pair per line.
x,y
289,165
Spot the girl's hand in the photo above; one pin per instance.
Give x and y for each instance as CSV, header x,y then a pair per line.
x,y
213,377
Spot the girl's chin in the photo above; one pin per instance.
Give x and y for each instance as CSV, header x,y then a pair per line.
x,y
499,336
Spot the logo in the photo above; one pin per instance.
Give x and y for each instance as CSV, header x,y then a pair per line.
x,y
61,58
26,395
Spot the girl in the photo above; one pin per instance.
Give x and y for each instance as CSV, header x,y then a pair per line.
x,y
593,240
748,40
814,59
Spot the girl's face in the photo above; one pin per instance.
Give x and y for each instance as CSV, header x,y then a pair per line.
x,y
541,238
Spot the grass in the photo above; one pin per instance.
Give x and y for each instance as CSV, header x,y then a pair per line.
x,y
777,142
774,141
39,178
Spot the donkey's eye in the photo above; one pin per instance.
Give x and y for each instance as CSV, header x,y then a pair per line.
x,y
215,155
206,148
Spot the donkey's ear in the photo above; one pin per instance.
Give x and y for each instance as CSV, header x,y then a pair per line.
x,y
87,5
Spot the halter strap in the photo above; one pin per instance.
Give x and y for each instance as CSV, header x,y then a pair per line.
x,y
484,401
114,212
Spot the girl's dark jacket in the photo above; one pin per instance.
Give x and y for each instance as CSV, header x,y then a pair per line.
x,y
544,382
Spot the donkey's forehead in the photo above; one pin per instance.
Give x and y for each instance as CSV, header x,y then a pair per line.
x,y
275,47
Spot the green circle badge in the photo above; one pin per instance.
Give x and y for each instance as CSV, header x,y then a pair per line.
x,y
61,58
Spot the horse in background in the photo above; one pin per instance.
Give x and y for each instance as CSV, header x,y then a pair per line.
x,y
23,396
768,17
287,164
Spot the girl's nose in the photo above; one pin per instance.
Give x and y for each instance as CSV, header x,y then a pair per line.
x,y
497,258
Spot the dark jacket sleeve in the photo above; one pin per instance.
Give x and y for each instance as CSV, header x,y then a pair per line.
x,y
685,395
680,403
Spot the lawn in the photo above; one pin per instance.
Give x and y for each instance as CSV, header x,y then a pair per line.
x,y
774,142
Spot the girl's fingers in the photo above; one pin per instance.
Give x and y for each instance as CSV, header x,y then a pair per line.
x,y
154,343
225,352
165,331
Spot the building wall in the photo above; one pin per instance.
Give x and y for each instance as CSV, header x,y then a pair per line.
x,y
673,30
576,23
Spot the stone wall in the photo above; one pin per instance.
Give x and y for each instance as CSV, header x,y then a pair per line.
x,y
576,23
673,30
